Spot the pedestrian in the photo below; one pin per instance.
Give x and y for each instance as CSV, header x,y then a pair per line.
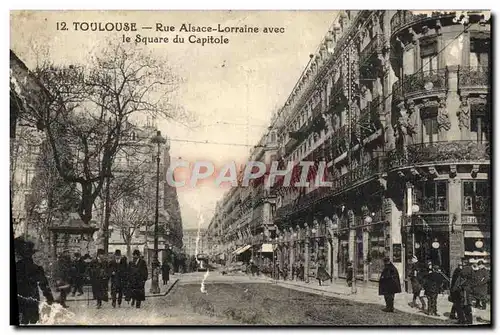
x,y
301,271
63,276
322,274
416,279
454,297
389,284
99,277
481,279
349,274
433,285
138,274
78,274
463,289
165,272
30,280
118,268
285,271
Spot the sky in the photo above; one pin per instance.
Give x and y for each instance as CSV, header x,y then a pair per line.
x,y
232,89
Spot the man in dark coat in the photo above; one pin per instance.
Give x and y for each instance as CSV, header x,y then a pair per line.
x,y
118,269
63,277
30,279
433,285
99,277
462,288
454,295
138,274
416,279
78,274
481,278
165,272
389,284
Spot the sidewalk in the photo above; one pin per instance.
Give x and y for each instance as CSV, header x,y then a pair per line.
x,y
368,293
164,289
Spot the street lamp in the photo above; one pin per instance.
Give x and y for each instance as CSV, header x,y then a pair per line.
x,y
155,287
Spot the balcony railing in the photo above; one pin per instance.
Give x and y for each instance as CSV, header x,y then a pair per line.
x,y
397,91
425,82
404,18
473,78
439,152
373,47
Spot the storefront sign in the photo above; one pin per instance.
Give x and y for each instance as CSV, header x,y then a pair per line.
x,y
396,253
474,219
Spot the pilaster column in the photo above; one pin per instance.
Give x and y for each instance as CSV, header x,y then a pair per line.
x,y
306,253
456,244
366,250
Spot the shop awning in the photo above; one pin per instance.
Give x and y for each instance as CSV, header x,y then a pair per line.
x,y
476,234
242,250
267,247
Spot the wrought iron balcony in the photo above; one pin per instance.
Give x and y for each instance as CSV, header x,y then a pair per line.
x,y
337,99
439,152
374,47
425,83
397,91
360,173
405,18
474,79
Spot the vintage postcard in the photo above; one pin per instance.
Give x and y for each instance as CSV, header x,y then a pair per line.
x,y
251,167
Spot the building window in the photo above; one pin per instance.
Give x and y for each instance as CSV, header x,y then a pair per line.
x,y
476,196
28,177
428,56
432,196
479,124
429,125
479,54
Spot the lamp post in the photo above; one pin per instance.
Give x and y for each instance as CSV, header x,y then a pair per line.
x,y
155,287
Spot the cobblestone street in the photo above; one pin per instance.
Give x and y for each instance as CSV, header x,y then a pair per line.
x,y
243,300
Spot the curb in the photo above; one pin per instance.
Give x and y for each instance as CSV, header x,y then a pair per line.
x,y
72,299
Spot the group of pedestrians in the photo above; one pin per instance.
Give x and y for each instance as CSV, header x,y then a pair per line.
x,y
126,279
468,288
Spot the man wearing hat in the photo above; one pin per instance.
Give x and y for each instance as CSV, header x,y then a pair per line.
x,y
433,285
389,284
481,278
462,288
415,276
118,270
99,277
30,279
138,274
454,295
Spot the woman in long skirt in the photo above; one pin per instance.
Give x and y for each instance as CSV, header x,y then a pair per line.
x,y
322,275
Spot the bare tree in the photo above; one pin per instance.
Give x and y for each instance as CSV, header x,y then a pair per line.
x,y
83,112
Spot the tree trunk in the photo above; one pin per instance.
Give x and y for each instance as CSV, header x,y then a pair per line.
x,y
129,250
107,215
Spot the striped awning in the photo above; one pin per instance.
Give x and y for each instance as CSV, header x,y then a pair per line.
x,y
242,250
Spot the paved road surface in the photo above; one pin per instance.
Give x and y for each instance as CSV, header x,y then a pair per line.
x,y
233,300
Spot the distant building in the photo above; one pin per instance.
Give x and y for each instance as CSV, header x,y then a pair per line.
x,y
189,241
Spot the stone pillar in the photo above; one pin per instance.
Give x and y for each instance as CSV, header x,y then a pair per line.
x,y
352,246
452,106
396,238
456,233
335,255
306,253
291,250
366,250
329,257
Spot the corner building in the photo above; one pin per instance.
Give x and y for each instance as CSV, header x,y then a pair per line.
x,y
399,103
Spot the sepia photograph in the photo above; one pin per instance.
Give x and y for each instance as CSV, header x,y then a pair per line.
x,y
251,168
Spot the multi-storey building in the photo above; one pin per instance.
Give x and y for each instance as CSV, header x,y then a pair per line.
x,y
25,140
191,246
397,103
